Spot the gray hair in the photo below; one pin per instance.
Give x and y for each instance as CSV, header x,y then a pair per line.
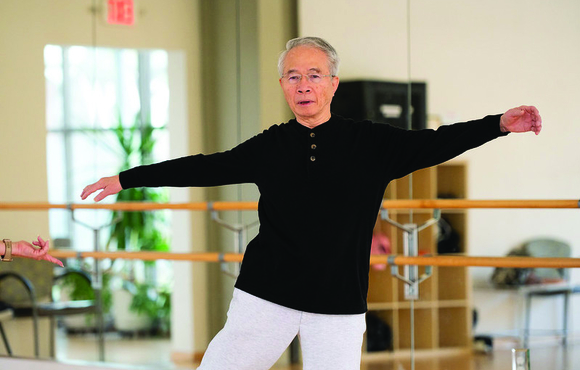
x,y
315,42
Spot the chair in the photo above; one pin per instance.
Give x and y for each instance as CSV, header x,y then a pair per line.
x,y
51,309
549,248
64,308
33,311
5,314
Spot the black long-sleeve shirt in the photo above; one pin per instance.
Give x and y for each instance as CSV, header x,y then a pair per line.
x,y
320,193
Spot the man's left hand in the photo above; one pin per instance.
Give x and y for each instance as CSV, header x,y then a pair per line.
x,y
521,119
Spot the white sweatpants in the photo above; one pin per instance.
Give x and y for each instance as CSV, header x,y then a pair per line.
x,y
257,332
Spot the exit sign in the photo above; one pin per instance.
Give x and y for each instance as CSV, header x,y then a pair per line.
x,y
121,12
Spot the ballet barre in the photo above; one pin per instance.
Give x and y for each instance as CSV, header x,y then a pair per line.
x,y
447,260
393,260
410,261
249,206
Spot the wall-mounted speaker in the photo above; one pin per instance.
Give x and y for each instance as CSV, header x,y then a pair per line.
x,y
382,101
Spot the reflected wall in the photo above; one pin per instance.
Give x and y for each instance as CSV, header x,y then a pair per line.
x,y
478,59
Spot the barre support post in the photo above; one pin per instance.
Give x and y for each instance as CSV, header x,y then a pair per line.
x,y
96,281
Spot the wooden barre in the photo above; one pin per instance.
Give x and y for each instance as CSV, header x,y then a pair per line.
x,y
248,206
473,261
452,261
152,256
134,206
470,203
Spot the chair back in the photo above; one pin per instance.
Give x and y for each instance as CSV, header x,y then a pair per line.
x,y
549,248
39,273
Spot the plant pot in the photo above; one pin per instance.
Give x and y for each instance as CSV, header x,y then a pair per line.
x,y
125,319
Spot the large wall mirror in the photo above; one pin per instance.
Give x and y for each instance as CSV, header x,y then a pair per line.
x,y
475,59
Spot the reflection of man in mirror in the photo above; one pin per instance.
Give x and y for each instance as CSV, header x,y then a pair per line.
x,y
321,179
24,249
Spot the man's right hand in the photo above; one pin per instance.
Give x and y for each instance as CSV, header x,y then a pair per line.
x,y
109,185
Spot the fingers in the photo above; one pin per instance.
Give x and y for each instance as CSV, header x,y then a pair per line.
x,y
102,195
537,127
536,119
516,112
533,110
43,244
89,189
56,261
538,124
42,253
43,248
108,185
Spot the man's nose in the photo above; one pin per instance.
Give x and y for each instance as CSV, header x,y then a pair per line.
x,y
304,85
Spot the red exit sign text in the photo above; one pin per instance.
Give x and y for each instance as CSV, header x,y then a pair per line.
x,y
121,12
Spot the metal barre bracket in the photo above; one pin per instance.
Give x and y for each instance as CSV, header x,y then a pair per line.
x,y
410,247
395,272
239,240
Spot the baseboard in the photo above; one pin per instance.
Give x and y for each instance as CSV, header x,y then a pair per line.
x,y
508,342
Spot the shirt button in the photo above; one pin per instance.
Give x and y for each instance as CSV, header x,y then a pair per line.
x,y
313,146
313,158
312,134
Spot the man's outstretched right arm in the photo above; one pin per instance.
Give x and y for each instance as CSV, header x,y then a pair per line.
x,y
238,165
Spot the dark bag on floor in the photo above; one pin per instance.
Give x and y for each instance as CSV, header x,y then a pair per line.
x,y
379,334
511,276
448,240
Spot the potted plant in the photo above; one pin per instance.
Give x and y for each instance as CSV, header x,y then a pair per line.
x,y
130,285
75,287
142,308
138,231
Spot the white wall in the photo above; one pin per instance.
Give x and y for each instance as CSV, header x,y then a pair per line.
x,y
480,58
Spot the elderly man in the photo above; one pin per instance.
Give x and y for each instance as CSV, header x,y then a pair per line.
x,y
321,179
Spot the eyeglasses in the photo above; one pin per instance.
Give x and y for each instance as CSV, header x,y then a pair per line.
x,y
295,78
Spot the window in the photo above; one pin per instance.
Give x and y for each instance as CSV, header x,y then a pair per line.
x,y
94,97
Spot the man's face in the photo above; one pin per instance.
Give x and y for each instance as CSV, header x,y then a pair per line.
x,y
309,101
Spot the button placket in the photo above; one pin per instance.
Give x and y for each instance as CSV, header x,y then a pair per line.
x,y
312,147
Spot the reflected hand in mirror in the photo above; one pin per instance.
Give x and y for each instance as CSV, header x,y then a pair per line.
x,y
26,250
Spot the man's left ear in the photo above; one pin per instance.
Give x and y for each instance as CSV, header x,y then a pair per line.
x,y
335,82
